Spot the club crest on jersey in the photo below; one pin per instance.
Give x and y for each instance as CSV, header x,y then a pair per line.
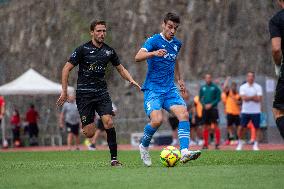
x,y
108,52
176,48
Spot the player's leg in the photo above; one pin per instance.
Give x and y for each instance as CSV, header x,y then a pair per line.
x,y
279,117
214,121
206,128
255,118
153,109
174,103
230,122
75,132
86,110
93,140
245,118
278,105
184,133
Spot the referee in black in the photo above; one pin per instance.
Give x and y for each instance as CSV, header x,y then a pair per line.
x,y
91,94
276,29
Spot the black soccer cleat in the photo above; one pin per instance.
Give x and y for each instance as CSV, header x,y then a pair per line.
x,y
115,163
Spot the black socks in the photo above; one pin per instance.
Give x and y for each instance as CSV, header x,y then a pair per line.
x,y
111,140
280,125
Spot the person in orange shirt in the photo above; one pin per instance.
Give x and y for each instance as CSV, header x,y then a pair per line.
x,y
196,132
232,102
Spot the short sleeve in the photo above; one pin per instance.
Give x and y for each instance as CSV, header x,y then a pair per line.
x,y
76,56
259,90
242,90
274,28
114,59
149,44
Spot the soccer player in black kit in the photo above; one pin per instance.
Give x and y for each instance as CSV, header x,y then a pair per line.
x,y
276,29
91,94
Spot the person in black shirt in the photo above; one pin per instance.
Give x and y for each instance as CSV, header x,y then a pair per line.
x,y
91,94
276,29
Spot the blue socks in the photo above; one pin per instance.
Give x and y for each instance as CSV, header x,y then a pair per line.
x,y
149,131
183,134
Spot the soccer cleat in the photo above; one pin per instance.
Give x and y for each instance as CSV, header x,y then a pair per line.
x,y
191,155
145,155
92,147
240,146
115,163
255,147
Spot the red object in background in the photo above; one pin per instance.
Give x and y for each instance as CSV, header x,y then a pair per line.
x,y
15,120
31,116
2,101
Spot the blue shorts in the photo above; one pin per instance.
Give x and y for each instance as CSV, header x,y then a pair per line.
x,y
157,100
246,118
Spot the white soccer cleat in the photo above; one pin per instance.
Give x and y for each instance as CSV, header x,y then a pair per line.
x,y
190,155
255,147
240,146
145,155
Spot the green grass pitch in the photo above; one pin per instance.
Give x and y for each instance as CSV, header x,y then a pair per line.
x,y
91,169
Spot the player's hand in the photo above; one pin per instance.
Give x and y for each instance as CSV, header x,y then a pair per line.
x,y
160,52
135,84
63,98
181,85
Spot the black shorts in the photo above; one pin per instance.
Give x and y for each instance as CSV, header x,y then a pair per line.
x,y
89,104
100,125
210,116
233,120
279,94
198,122
74,129
174,122
254,118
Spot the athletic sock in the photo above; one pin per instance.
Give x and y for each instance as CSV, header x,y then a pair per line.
x,y
217,135
205,136
280,125
111,140
183,134
149,131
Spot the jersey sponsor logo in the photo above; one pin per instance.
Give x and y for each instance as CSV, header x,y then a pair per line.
x,y
176,48
96,68
92,52
171,57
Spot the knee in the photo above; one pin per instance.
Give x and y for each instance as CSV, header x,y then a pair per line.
x,y
156,122
89,131
183,116
108,123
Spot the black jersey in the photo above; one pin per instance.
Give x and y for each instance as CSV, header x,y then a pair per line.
x,y
92,63
276,27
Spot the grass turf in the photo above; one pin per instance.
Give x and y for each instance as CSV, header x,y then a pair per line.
x,y
85,169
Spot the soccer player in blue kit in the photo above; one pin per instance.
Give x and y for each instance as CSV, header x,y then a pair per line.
x,y
159,89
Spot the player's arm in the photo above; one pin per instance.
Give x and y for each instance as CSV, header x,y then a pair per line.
x,y
143,54
65,75
126,75
179,78
276,50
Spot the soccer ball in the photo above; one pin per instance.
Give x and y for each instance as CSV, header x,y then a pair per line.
x,y
170,156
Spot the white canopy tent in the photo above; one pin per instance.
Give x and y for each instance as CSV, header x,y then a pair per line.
x,y
31,83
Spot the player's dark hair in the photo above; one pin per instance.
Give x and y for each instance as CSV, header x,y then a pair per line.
x,y
172,17
96,22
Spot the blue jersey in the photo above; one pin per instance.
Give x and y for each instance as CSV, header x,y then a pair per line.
x,y
161,70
